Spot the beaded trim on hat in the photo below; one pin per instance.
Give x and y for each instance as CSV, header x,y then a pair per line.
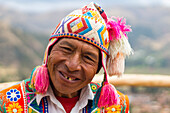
x,y
80,37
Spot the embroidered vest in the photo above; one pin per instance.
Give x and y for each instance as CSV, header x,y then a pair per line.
x,y
19,98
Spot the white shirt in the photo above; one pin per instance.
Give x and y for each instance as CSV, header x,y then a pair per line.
x,y
54,106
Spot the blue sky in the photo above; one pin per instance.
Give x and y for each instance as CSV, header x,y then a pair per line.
x,y
45,5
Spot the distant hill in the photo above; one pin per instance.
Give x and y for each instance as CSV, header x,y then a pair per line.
x,y
19,50
24,37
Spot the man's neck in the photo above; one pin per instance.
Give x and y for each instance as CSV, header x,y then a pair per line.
x,y
70,95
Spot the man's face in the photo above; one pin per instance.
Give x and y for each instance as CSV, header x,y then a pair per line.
x,y
72,64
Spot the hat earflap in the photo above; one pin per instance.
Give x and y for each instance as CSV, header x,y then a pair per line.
x,y
119,46
40,79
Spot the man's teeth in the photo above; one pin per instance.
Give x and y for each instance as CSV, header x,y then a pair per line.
x,y
69,78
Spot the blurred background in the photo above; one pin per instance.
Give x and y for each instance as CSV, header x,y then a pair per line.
x,y
25,27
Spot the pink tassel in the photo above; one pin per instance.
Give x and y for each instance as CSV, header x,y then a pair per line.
x,y
108,96
41,79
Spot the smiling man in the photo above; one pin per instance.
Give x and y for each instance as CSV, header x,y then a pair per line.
x,y
82,43
72,65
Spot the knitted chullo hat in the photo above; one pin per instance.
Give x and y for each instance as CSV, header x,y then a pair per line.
x,y
91,24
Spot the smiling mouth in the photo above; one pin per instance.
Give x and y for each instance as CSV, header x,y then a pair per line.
x,y
69,78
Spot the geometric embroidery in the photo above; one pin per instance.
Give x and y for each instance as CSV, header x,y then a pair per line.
x,y
99,33
79,26
66,19
41,108
88,14
103,36
93,14
33,105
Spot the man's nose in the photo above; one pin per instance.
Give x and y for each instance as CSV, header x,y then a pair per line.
x,y
73,63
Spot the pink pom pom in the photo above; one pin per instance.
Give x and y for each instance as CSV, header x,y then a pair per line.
x,y
108,96
41,79
115,28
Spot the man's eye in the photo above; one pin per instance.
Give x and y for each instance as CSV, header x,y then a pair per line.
x,y
66,48
89,58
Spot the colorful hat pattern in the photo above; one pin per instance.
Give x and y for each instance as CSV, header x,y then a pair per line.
x,y
91,24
